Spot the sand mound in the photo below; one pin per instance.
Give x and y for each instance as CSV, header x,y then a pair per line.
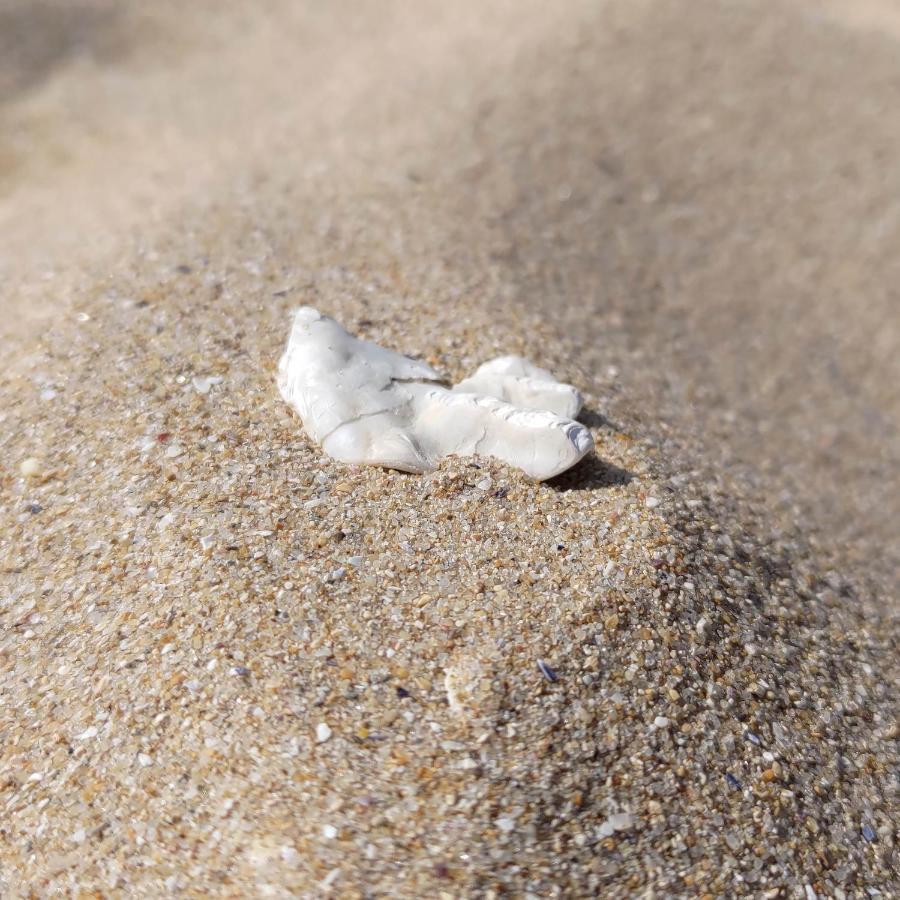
x,y
231,664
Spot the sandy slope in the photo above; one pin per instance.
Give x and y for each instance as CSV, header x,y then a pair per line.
x,y
703,212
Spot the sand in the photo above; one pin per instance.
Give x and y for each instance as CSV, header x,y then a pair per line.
x,y
232,667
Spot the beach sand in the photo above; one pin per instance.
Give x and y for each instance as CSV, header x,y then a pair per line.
x,y
230,666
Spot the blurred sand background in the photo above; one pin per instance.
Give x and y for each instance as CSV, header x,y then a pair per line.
x,y
712,200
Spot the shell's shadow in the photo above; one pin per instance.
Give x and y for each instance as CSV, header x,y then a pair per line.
x,y
593,419
592,473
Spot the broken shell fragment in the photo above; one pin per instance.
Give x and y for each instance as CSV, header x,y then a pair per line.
x,y
368,405
522,383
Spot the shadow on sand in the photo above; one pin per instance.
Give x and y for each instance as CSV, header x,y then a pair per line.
x,y
592,473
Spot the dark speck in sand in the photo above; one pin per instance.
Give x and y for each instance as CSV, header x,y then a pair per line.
x,y
732,781
868,832
402,693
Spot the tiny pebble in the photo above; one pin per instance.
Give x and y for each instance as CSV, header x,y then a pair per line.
x,y
87,734
732,781
30,467
546,671
868,832
329,832
330,879
661,722
621,821
242,671
323,732
651,502
202,385
145,760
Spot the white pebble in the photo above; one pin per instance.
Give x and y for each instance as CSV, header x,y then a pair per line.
x,y
290,855
78,836
173,451
87,734
203,384
505,823
145,760
661,722
329,832
31,467
651,502
621,821
323,732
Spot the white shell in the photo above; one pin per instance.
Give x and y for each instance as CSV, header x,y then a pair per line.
x,y
368,405
522,383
